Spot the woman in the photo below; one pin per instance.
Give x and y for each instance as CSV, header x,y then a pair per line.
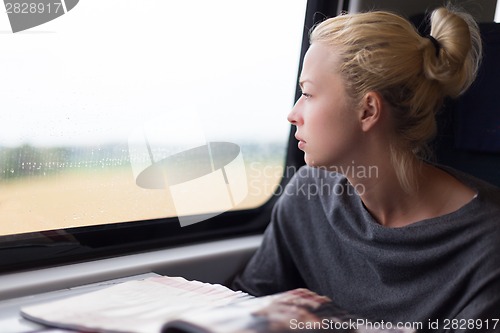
x,y
368,222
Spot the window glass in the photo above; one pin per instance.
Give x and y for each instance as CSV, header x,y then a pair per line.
x,y
123,110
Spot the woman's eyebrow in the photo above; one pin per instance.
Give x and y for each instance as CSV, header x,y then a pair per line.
x,y
302,81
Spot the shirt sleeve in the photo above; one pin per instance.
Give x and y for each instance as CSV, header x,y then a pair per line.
x,y
272,268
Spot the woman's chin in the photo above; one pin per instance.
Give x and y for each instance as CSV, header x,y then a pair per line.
x,y
310,161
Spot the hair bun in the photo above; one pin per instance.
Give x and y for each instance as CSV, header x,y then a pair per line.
x,y
452,52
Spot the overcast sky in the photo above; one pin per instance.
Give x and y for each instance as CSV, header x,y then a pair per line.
x,y
107,67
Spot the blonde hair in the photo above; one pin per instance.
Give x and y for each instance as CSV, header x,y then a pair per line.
x,y
383,52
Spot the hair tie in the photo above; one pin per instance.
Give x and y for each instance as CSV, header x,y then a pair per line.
x,y
436,44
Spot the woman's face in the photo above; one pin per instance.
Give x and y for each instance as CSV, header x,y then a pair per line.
x,y
327,124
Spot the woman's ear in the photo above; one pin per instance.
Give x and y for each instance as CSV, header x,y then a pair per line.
x,y
371,110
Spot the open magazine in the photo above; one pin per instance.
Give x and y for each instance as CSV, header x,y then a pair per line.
x,y
175,305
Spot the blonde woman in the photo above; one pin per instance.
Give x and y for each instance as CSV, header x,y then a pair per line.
x,y
368,222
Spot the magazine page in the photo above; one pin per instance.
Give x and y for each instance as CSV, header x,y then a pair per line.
x,y
173,305
135,306
291,311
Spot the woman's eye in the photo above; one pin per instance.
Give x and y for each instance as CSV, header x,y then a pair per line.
x,y
306,95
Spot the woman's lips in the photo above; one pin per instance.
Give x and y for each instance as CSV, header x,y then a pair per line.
x,y
301,143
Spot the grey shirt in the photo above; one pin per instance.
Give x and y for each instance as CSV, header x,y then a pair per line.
x,y
442,269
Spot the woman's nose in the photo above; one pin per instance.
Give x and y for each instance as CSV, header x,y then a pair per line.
x,y
294,116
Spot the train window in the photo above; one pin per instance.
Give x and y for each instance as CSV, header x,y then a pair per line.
x,y
133,110
128,124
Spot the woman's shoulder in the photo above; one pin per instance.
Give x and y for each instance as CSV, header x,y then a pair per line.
x,y
486,192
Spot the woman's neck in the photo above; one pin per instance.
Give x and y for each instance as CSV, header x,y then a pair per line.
x,y
437,193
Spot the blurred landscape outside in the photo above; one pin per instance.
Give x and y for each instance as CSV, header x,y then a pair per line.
x,y
52,188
